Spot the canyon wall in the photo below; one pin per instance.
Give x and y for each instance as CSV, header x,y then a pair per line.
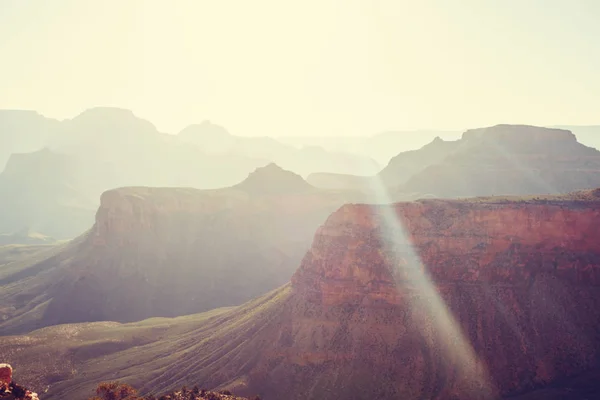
x,y
438,299
453,299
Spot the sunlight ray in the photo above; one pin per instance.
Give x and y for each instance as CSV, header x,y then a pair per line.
x,y
414,278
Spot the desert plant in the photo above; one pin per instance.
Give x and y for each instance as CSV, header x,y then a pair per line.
x,y
115,391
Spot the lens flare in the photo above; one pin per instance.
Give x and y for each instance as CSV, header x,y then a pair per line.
x,y
411,276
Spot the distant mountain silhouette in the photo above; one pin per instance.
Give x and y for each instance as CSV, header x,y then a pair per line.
x,y
501,160
105,148
381,147
55,190
59,169
510,160
273,179
46,192
143,156
215,139
23,131
403,166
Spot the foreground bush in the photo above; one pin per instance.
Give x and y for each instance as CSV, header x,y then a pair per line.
x,y
122,391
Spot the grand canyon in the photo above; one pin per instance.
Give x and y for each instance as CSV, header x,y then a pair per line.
x,y
278,288
443,299
317,200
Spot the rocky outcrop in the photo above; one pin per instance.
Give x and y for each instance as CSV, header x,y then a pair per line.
x,y
440,299
490,242
273,179
172,251
472,299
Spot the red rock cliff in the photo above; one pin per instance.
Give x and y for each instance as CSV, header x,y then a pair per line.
x,y
474,242
452,299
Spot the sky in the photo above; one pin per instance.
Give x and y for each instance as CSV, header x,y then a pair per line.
x,y
310,67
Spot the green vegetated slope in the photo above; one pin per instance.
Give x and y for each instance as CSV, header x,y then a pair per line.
x,y
154,355
15,252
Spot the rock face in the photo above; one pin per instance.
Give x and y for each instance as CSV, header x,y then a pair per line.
x,y
478,299
459,242
510,160
520,280
168,252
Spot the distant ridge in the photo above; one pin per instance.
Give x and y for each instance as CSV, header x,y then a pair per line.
x,y
510,160
272,179
499,160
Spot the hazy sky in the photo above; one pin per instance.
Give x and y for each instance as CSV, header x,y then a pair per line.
x,y
306,67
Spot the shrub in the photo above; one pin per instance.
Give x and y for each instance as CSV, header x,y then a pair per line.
x,y
115,391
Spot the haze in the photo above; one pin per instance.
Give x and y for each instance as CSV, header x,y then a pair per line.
x,y
283,68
